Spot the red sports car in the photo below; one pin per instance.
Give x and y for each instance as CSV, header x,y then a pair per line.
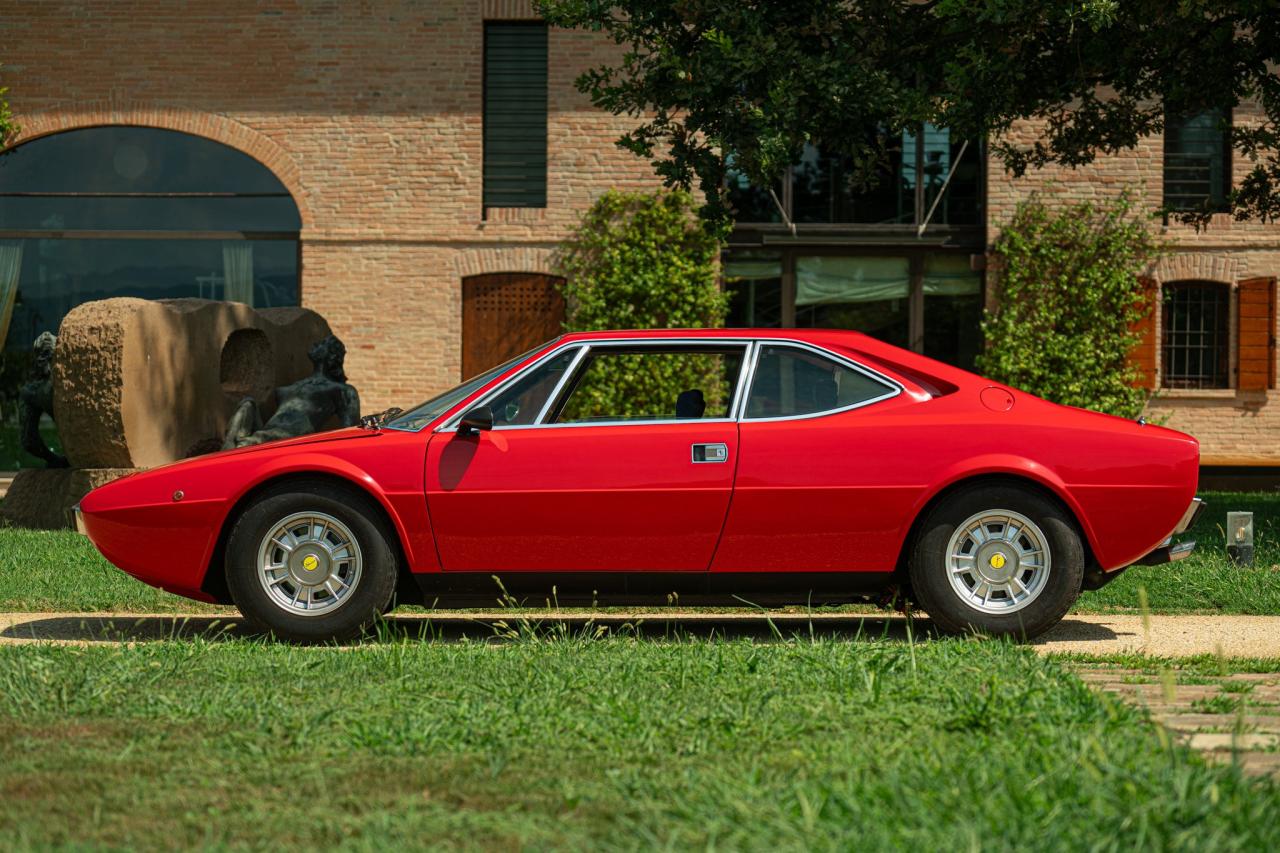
x,y
726,466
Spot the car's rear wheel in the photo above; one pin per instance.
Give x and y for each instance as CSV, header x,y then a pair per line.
x,y
1003,560
311,562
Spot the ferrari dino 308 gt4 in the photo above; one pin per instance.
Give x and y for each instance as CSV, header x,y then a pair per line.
x,y
727,466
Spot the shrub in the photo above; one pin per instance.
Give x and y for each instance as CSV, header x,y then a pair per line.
x,y
637,261
1069,302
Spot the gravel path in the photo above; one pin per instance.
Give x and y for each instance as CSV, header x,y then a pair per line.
x,y
1233,636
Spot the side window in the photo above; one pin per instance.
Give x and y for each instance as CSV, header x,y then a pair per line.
x,y
520,404
790,382
651,384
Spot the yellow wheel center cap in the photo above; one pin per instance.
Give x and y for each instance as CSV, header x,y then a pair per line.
x,y
310,563
996,561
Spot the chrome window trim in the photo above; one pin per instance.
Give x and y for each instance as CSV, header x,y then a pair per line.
x,y
450,423
895,387
737,409
555,392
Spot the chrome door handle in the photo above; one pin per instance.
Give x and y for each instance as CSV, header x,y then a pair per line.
x,y
714,452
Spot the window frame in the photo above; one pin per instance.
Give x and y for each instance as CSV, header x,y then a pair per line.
x,y
1228,182
488,28
1224,294
737,407
895,387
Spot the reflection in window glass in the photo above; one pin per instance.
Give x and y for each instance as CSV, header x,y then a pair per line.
x,y
653,385
520,404
753,281
822,190
790,382
939,152
748,202
57,275
952,310
865,294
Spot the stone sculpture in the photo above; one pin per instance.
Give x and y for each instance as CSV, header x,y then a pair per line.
x,y
35,398
304,407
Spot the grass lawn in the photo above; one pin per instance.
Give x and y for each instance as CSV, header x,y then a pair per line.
x,y
43,571
613,743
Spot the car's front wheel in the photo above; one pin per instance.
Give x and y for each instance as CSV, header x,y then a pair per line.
x,y
311,562
1001,559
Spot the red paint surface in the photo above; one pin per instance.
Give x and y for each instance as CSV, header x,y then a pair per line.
x,y
832,493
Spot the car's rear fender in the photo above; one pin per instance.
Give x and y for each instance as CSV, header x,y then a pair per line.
x,y
997,468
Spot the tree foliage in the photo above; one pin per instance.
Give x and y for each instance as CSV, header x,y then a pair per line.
x,y
638,261
8,126
1069,302
760,78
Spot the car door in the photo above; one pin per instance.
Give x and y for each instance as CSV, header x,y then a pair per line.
x,y
820,484
628,465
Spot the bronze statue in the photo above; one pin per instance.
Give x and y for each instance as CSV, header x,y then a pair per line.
x,y
303,407
35,398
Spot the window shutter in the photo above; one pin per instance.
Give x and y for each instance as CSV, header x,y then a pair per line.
x,y
1256,323
1144,355
515,114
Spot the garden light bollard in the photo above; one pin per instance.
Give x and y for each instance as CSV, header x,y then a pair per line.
x,y
1240,538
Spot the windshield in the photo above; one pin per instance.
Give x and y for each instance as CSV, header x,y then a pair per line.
x,y
415,419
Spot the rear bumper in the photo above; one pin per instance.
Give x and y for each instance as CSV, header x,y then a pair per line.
x,y
1169,551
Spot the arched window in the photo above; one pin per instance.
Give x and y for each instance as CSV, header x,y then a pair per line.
x,y
137,211
1196,335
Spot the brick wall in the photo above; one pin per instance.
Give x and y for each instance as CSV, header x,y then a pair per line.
x,y
1234,427
369,113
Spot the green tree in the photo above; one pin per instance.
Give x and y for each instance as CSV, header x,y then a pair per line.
x,y
1069,302
760,78
638,261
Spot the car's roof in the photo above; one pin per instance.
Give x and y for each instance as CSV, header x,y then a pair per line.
x,y
809,335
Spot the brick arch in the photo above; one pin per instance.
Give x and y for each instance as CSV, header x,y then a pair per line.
x,y
533,259
218,128
1198,266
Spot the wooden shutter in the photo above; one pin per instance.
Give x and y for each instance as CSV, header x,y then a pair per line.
x,y
515,114
1145,355
1255,329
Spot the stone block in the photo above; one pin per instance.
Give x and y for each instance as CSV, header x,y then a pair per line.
x,y
139,383
42,498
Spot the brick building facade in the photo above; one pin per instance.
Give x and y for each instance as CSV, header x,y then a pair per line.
x,y
371,117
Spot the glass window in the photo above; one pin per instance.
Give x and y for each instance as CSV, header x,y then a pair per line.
x,y
952,310
938,153
1197,164
647,384
753,281
749,202
520,404
1195,340
789,381
821,189
866,294
424,413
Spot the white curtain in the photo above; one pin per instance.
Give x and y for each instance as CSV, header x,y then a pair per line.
x,y
828,280
950,275
10,269
237,271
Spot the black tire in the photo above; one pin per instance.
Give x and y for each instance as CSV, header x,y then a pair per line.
x,y
931,576
371,594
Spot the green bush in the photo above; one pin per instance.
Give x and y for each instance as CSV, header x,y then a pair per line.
x,y
1068,303
641,261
